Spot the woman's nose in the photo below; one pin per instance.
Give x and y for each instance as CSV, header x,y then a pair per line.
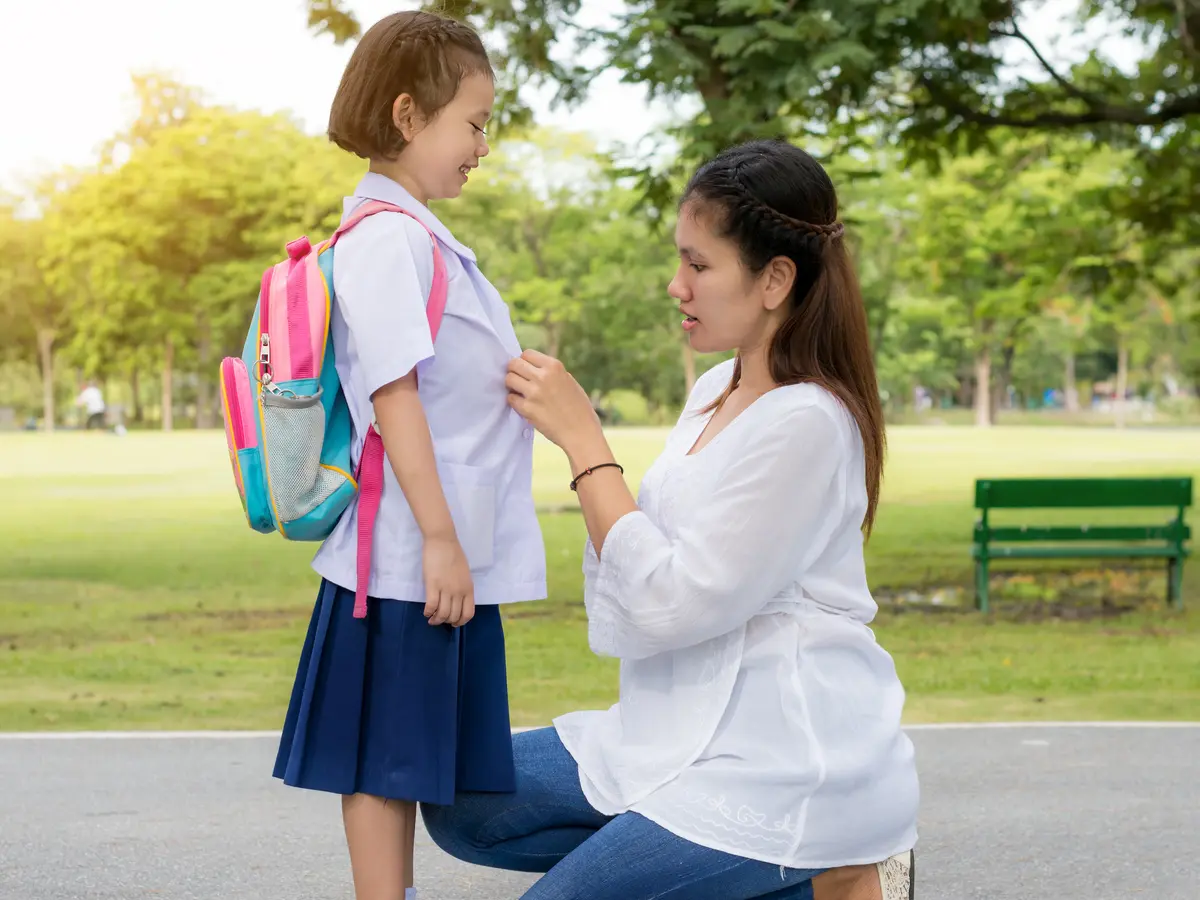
x,y
676,288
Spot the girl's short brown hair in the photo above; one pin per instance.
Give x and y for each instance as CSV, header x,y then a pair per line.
x,y
417,53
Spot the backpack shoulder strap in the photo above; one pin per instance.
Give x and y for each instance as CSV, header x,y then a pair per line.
x,y
370,465
436,305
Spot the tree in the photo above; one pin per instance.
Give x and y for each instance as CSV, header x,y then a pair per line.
x,y
936,74
585,277
167,248
1001,236
33,312
537,198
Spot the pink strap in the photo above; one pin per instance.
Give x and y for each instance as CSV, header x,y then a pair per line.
x,y
370,466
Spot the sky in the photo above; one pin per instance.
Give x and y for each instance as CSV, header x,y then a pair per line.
x,y
67,65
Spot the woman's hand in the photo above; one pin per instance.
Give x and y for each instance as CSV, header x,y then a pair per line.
x,y
546,394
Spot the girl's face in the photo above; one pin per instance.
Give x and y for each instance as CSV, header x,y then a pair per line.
x,y
442,152
726,307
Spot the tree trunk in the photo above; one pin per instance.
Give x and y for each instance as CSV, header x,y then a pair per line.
x,y
1122,381
553,337
204,386
1070,389
45,342
983,390
168,400
689,367
136,393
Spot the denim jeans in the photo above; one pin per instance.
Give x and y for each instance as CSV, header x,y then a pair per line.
x,y
548,826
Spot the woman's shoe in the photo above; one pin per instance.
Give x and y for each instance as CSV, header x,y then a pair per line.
x,y
898,876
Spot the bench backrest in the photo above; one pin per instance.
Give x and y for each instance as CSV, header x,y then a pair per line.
x,y
1081,493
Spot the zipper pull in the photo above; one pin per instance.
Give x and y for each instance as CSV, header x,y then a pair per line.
x,y
264,349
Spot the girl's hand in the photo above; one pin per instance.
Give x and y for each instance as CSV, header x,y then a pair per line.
x,y
449,591
545,393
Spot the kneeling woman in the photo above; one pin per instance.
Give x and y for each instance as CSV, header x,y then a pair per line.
x,y
756,750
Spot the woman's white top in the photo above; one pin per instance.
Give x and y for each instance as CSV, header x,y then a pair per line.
x,y
757,714
382,274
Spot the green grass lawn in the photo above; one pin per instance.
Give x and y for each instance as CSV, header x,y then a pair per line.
x,y
134,595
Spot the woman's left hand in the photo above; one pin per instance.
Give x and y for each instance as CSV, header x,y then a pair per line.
x,y
545,393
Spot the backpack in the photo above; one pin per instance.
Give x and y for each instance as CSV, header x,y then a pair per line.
x,y
287,422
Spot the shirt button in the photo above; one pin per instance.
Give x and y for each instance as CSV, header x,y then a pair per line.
x,y
527,432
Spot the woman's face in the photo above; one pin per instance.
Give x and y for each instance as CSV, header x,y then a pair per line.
x,y
726,307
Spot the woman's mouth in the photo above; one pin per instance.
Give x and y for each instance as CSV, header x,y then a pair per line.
x,y
689,322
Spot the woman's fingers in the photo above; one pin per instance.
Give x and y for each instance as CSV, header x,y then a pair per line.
x,y
539,359
522,368
520,404
516,384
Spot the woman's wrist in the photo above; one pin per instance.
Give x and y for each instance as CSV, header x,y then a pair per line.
x,y
588,449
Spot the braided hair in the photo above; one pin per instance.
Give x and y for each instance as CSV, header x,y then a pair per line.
x,y
771,199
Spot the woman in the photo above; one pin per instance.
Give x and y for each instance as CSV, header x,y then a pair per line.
x,y
756,750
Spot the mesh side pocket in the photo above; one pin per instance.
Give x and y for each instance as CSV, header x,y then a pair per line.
x,y
293,432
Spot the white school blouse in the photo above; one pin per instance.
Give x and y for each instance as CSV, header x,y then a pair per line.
x,y
757,714
382,273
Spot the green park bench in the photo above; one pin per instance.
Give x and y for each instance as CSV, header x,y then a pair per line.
x,y
1165,541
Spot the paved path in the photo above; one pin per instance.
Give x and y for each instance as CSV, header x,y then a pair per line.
x,y
1009,813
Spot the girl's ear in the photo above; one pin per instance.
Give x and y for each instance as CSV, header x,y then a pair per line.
x,y
777,281
407,117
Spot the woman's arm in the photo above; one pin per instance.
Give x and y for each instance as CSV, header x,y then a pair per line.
x,y
604,496
544,392
771,515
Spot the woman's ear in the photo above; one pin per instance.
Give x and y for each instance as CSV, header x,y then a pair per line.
x,y
407,117
777,280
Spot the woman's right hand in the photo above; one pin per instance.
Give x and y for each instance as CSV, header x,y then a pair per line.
x,y
449,591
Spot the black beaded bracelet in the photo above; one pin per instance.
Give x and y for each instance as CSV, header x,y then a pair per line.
x,y
591,469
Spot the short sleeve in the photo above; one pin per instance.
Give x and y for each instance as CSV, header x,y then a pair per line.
x,y
382,274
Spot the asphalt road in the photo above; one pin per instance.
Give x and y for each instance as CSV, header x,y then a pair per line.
x,y
1008,813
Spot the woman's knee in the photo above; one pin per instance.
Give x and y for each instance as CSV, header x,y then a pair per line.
x,y
456,829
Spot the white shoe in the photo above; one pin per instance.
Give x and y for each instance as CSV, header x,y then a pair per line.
x,y
898,876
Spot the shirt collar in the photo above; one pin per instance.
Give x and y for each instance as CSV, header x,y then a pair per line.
x,y
379,187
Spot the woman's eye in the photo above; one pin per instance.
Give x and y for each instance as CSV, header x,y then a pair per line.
x,y
697,267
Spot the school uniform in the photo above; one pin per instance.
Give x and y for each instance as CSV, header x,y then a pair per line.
x,y
390,705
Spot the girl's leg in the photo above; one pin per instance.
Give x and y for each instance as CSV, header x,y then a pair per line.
x,y
633,857
377,839
409,842
526,831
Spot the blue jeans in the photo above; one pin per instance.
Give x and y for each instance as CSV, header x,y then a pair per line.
x,y
548,826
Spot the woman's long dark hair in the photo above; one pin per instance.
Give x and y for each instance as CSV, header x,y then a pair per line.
x,y
772,199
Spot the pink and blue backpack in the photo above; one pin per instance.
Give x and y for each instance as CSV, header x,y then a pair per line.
x,y
286,419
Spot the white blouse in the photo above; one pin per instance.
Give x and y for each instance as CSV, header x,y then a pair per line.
x,y
757,714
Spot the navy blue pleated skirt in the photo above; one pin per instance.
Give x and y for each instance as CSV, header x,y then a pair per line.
x,y
395,707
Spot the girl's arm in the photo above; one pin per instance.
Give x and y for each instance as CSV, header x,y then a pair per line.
x,y
382,278
449,593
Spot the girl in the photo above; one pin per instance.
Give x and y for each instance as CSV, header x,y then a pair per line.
x,y
410,703
756,750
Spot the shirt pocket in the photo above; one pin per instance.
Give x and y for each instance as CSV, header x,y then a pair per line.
x,y
471,495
